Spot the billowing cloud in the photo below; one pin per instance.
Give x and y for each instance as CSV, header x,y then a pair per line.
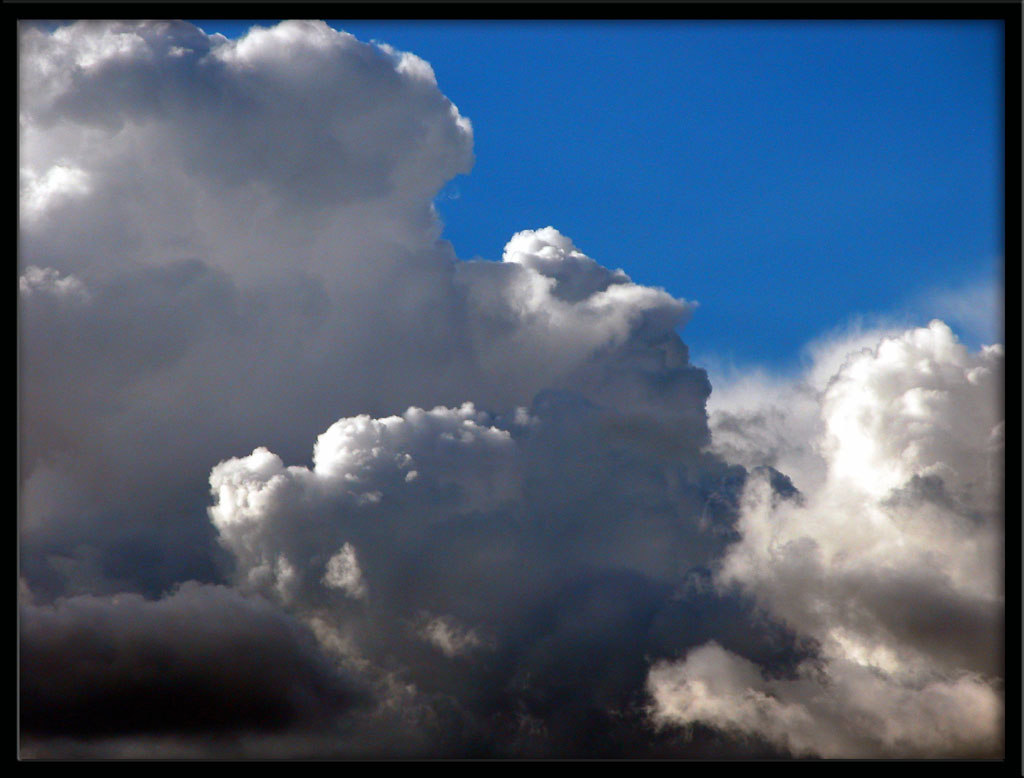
x,y
274,432
485,559
254,240
849,711
887,557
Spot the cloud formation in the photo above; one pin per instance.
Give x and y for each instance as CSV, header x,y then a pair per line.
x,y
519,532
887,557
182,665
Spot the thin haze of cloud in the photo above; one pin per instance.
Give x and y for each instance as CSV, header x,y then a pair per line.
x,y
977,309
283,451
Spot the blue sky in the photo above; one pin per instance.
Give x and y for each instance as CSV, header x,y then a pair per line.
x,y
789,176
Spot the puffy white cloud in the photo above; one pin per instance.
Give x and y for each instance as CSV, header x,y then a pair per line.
x,y
852,713
343,572
36,280
451,638
38,191
889,557
576,276
292,150
262,258
360,468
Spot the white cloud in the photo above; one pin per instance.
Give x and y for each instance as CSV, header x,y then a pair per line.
x,y
343,572
890,560
36,280
262,259
244,233
235,150
39,191
450,637
360,465
854,713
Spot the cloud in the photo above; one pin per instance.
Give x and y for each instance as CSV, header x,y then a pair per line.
x,y
39,191
343,572
888,558
360,467
244,227
41,281
976,307
262,259
180,666
362,123
282,448
451,638
538,570
850,713
263,268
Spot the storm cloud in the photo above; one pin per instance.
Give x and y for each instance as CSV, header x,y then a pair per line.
x,y
123,665
297,481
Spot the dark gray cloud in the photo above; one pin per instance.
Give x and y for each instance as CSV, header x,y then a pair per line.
x,y
202,661
519,532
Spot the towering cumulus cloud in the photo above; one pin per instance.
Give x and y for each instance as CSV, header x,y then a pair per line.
x,y
296,481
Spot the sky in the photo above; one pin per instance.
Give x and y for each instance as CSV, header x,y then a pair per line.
x,y
850,169
533,391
